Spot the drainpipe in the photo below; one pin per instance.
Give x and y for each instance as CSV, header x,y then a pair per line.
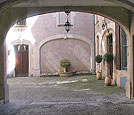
x,y
94,44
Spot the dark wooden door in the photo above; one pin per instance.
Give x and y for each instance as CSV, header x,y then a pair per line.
x,y
110,49
22,62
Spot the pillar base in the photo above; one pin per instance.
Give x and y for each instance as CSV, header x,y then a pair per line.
x,y
4,96
128,89
36,73
6,93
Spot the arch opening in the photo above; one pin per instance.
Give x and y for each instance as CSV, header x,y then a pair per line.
x,y
40,12
54,37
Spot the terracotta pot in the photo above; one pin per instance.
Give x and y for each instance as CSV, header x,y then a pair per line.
x,y
99,75
108,80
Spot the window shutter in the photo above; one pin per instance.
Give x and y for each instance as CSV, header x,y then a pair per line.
x,y
124,50
118,48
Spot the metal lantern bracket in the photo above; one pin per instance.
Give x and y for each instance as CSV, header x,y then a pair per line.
x,y
104,25
67,23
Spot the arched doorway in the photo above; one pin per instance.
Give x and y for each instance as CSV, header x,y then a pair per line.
x,y
110,49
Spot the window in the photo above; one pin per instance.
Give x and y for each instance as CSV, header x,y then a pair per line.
x,y
97,46
110,43
23,22
121,48
61,18
124,49
22,47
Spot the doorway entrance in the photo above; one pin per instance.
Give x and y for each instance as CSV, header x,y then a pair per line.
x,y
110,49
22,61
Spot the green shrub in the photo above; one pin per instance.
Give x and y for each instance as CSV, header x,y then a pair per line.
x,y
98,58
108,57
65,64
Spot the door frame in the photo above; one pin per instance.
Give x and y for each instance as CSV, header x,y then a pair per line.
x,y
110,69
22,55
30,48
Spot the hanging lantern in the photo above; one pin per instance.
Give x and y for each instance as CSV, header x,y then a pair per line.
x,y
67,23
67,26
104,25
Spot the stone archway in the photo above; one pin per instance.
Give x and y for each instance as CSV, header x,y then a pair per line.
x,y
9,15
78,52
104,36
36,71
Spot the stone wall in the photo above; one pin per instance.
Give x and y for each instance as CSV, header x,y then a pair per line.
x,y
47,25
102,35
54,44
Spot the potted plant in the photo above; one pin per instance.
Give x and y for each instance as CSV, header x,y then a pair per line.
x,y
108,57
98,60
64,65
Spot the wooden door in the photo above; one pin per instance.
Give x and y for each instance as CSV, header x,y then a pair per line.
x,y
22,62
118,47
110,49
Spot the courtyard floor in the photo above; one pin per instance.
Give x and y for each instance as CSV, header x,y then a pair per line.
x,y
77,95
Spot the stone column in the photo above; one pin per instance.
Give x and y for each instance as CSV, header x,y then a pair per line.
x,y
130,68
130,61
5,23
3,73
114,65
36,60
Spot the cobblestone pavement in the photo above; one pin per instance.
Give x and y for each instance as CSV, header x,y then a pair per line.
x,y
77,95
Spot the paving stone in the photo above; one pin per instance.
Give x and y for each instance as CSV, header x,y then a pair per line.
x,y
43,96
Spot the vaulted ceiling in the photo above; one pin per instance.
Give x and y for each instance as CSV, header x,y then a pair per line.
x,y
40,3
34,3
112,9
128,4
